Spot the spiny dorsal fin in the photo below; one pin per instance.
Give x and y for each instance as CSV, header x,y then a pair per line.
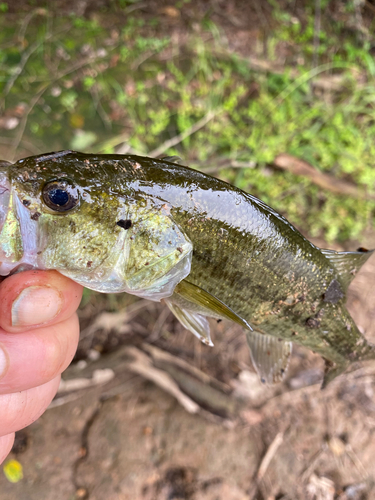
x,y
270,356
173,159
192,321
347,264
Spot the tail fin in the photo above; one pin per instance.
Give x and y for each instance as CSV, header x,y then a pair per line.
x,y
364,352
332,370
347,264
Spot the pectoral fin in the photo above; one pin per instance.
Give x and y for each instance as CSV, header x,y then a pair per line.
x,y
209,303
192,321
270,356
191,304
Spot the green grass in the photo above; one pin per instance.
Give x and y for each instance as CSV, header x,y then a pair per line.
x,y
132,85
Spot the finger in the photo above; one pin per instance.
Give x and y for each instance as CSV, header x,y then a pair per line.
x,y
33,358
33,298
6,443
20,409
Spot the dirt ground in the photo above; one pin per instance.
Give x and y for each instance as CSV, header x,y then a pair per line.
x,y
152,414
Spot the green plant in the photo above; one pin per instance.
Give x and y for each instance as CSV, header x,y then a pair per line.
x,y
96,89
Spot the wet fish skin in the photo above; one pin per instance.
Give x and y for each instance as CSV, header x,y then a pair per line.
x,y
245,254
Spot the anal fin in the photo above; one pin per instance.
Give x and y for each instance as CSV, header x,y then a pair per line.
x,y
270,356
192,321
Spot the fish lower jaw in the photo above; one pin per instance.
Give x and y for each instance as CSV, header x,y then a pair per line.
x,y
24,264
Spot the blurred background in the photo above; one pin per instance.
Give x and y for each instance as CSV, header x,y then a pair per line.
x,y
276,97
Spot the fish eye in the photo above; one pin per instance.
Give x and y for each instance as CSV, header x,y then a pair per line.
x,y
60,196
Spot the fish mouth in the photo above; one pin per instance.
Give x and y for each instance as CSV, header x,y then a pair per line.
x,y
18,233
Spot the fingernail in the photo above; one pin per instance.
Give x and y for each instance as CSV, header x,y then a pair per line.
x,y
36,305
3,361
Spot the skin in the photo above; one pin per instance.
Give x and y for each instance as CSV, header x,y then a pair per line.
x,y
37,354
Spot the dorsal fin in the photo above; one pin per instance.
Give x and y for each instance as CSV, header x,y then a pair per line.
x,y
173,159
347,264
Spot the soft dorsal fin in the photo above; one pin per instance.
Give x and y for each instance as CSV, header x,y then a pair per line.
x,y
270,356
347,264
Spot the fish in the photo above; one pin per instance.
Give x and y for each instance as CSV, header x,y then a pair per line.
x,y
160,230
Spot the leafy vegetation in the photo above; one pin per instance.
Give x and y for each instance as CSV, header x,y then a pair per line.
x,y
96,84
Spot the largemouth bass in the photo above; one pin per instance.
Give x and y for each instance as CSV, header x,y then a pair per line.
x,y
160,230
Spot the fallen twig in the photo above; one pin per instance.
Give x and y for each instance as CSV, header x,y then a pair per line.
x,y
38,95
25,57
264,464
180,137
142,365
300,167
25,117
270,453
224,164
193,389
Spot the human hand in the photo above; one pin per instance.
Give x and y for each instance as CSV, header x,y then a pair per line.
x,y
38,338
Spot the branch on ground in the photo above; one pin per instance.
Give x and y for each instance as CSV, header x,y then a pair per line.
x,y
296,166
